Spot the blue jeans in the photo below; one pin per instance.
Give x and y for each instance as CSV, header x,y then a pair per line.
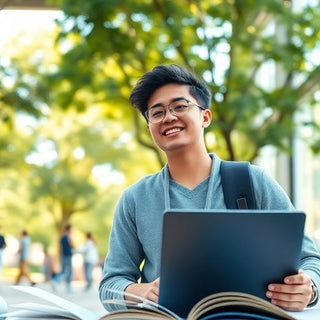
x,y
88,268
66,271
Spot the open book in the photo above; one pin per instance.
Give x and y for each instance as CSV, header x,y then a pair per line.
x,y
220,306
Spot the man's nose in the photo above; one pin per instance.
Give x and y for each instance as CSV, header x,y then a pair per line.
x,y
169,116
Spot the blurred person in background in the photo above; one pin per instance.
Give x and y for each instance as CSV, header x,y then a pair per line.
x,y
24,248
66,250
90,257
2,247
48,267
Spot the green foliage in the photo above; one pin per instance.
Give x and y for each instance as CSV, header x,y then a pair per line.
x,y
234,45
65,113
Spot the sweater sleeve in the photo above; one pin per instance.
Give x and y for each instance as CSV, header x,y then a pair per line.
x,y
125,253
270,195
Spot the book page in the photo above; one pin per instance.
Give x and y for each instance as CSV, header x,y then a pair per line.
x,y
235,299
138,314
141,303
74,311
307,314
27,314
43,309
3,306
211,304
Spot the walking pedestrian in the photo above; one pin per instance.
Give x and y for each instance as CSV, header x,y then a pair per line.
x,y
91,257
66,251
23,252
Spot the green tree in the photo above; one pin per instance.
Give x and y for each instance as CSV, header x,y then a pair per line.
x,y
21,88
52,160
102,49
69,163
234,45
73,171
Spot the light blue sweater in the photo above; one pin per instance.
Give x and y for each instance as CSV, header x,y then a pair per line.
x,y
136,233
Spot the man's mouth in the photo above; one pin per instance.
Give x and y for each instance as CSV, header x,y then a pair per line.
x,y
170,131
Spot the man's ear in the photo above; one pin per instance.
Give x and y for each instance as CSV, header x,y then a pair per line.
x,y
207,117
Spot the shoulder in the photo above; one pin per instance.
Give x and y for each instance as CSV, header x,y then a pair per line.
x,y
262,180
140,197
26,240
269,193
64,238
257,171
260,175
145,184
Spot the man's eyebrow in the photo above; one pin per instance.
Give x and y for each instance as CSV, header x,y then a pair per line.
x,y
172,100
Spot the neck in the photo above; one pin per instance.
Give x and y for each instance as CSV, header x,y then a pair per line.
x,y
190,169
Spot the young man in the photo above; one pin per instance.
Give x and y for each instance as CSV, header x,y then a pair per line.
x,y
176,106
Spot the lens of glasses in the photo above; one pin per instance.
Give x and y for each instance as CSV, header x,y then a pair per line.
x,y
177,108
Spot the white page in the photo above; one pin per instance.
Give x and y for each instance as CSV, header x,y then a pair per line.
x,y
145,303
307,314
3,306
72,308
43,309
27,314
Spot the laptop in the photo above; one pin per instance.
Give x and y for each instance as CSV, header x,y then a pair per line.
x,y
205,252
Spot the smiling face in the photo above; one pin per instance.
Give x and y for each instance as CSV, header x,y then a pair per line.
x,y
173,132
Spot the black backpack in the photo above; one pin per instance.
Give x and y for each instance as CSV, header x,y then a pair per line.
x,y
237,185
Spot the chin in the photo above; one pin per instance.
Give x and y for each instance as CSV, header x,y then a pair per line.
x,y
173,147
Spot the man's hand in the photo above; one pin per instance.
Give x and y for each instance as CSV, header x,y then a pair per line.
x,y
148,291
294,294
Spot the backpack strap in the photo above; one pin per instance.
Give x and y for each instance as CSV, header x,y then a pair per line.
x,y
237,185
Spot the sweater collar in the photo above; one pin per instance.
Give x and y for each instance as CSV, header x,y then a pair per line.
x,y
166,183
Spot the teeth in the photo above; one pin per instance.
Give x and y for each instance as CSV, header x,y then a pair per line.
x,y
172,131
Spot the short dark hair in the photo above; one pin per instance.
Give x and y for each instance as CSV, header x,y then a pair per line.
x,y
165,74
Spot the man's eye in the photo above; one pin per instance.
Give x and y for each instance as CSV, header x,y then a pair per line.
x,y
180,107
157,113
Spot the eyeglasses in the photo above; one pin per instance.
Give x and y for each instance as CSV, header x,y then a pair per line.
x,y
177,108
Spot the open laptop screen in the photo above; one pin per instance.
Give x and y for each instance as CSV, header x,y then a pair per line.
x,y
205,252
